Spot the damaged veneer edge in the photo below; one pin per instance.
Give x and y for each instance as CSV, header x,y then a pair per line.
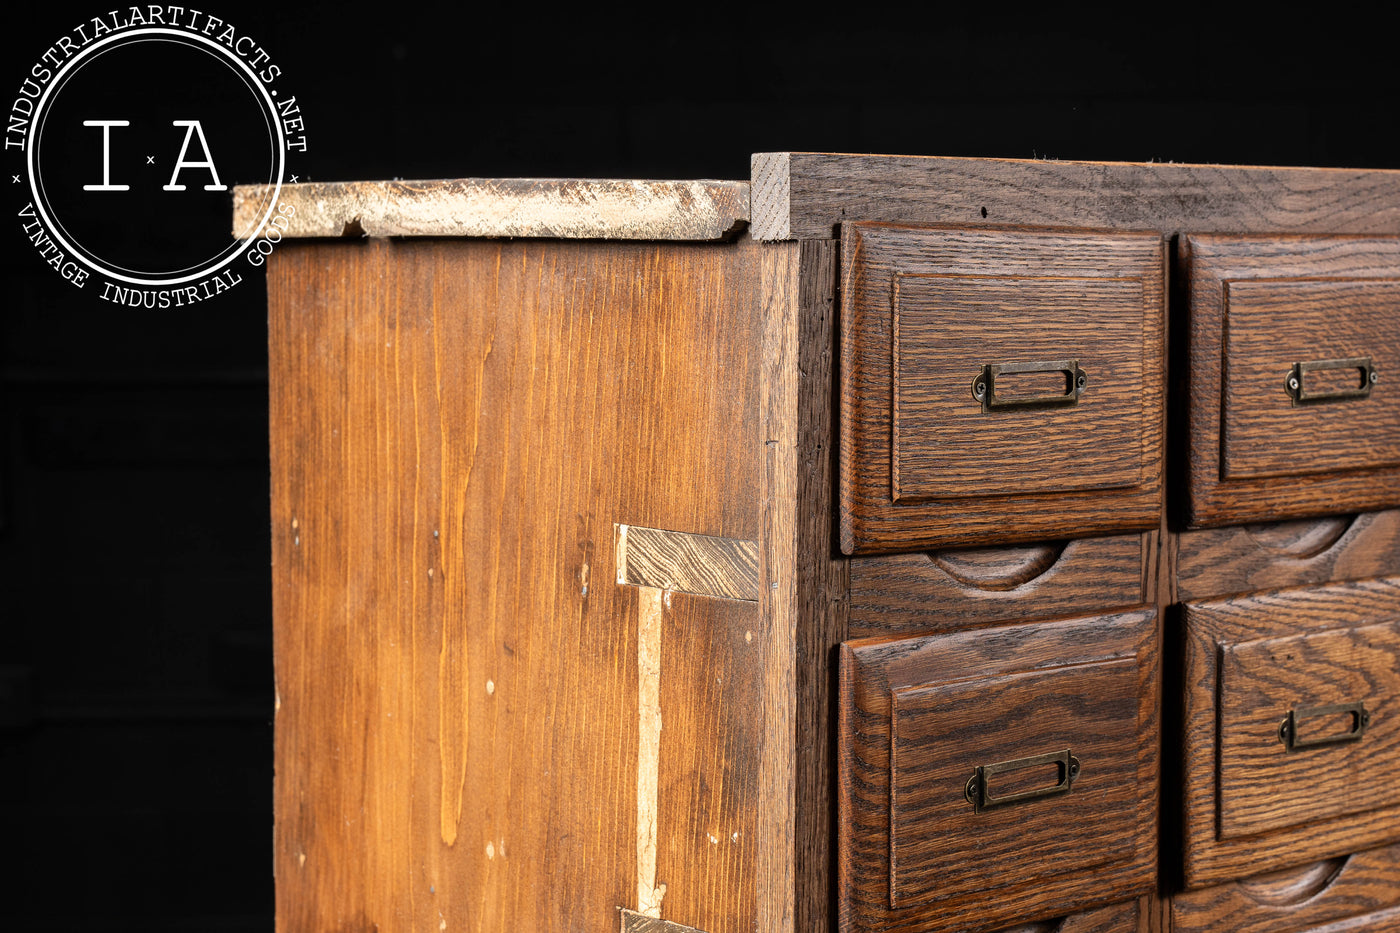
x,y
702,211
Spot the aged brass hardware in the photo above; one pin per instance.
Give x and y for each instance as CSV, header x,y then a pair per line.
x,y
984,386
979,790
1294,737
1296,385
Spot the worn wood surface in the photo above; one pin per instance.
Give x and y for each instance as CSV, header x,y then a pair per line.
x,y
699,564
797,195
567,208
922,465
979,698
1250,804
1253,456
633,922
1356,892
1221,561
456,428
939,591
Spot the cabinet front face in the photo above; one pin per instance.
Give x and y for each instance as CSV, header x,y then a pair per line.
x,y
998,385
1294,366
1291,737
998,775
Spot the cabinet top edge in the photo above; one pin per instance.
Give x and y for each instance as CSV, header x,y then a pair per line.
x,y
562,208
808,195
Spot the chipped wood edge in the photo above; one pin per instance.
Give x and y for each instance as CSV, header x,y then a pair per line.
x,y
633,922
770,196
567,208
649,622
702,565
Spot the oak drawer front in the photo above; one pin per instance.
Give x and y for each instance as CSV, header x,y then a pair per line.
x,y
998,385
997,776
1292,735
1356,892
1294,376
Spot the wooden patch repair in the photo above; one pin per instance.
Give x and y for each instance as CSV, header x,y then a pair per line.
x,y
687,563
633,922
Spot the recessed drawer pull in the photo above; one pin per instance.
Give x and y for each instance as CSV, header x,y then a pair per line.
x,y
984,386
981,794
1294,733
1297,383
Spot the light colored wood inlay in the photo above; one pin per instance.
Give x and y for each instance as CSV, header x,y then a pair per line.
x,y
649,615
687,563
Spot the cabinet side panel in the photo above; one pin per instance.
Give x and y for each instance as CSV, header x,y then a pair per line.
x,y
457,428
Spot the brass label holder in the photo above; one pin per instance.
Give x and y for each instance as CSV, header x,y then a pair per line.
x,y
1296,384
1294,736
979,790
984,385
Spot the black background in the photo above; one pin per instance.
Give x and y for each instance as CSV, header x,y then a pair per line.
x,y
135,630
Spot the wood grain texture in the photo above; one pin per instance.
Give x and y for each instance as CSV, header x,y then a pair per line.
x,y
779,310
1252,455
699,564
1086,684
1127,917
799,195
822,606
1362,890
567,208
922,465
940,591
1249,804
1222,561
633,922
457,426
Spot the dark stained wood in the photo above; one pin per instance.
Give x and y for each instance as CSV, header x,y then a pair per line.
x,y
1359,892
1250,804
572,208
822,599
939,591
918,715
699,564
797,195
457,427
1253,455
1126,917
922,465
1221,561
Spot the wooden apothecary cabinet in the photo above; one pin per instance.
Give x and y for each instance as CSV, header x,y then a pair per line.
x,y
880,544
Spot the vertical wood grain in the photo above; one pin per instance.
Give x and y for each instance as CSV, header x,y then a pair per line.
x,y
457,426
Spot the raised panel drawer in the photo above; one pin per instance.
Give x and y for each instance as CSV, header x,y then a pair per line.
x,y
1292,735
999,775
998,385
1294,376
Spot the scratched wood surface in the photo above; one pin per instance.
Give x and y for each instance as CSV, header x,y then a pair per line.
x,y
800,195
499,207
917,716
456,428
1221,561
1251,805
939,591
1252,455
922,465
1359,892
